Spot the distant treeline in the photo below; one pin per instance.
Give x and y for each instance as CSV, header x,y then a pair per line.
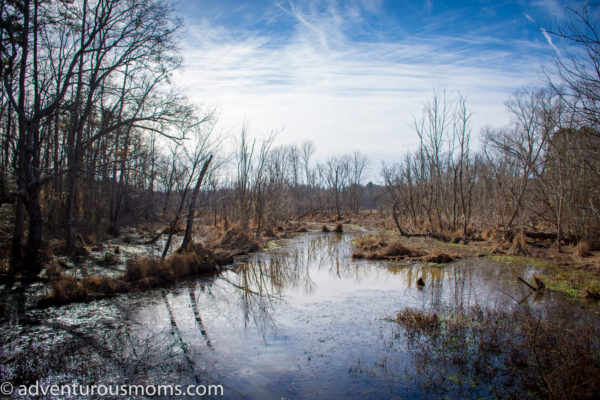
x,y
93,136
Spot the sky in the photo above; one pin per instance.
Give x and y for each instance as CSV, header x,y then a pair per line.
x,y
353,75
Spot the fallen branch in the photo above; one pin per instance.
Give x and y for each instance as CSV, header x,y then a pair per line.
x,y
528,284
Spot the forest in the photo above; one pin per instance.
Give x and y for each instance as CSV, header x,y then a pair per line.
x,y
94,137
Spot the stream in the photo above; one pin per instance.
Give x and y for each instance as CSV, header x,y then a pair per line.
x,y
301,321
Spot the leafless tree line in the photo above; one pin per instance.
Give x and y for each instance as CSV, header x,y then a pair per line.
x,y
94,137
85,97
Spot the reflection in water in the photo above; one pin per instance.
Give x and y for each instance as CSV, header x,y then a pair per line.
x,y
303,321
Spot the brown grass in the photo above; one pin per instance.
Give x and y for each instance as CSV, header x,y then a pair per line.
x,y
398,250
418,320
380,251
370,242
339,228
519,244
140,268
141,273
441,258
268,232
584,248
238,239
325,229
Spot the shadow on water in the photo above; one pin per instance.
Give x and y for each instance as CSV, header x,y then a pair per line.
x,y
302,321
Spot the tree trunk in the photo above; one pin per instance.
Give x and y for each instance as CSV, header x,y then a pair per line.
x,y
187,237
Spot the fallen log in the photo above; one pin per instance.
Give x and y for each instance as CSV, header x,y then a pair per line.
x,y
567,238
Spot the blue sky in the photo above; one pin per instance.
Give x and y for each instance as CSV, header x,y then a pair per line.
x,y
353,75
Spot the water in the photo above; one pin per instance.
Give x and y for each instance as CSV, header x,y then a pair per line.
x,y
301,321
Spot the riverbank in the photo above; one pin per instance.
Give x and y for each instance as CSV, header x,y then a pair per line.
x,y
100,267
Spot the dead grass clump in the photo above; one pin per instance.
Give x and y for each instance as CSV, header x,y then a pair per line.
x,y
519,244
456,237
98,286
441,258
65,289
141,267
584,248
398,250
69,289
418,320
376,247
180,265
325,229
238,239
490,234
109,259
499,248
470,231
369,242
302,229
339,228
53,271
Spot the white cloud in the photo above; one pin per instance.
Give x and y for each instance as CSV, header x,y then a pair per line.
x,y
552,8
549,40
342,94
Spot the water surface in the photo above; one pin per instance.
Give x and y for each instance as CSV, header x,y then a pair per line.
x,y
300,321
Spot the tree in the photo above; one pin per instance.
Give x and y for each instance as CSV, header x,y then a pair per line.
x,y
77,75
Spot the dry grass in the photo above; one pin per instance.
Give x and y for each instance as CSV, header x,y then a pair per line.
x,y
398,250
391,251
370,242
519,244
325,229
339,228
417,320
441,258
141,273
379,247
584,248
592,291
140,268
68,289
237,239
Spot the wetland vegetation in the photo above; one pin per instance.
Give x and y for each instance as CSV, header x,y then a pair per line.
x,y
138,244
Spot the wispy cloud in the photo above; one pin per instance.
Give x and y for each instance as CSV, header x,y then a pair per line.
x,y
549,40
552,8
345,93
